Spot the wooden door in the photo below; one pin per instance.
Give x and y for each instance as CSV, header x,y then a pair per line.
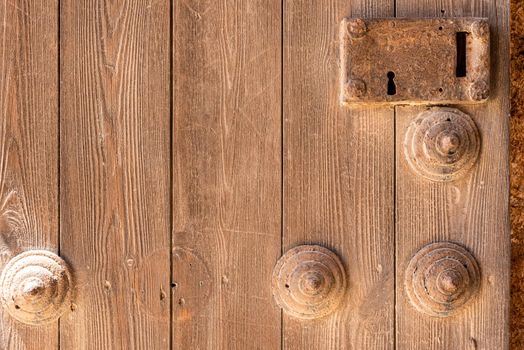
x,y
173,173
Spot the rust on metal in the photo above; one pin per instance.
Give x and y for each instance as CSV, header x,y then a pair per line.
x,y
414,61
442,144
309,282
441,278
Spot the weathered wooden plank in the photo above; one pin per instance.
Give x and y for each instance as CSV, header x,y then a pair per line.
x,y
28,146
338,178
471,211
227,173
115,165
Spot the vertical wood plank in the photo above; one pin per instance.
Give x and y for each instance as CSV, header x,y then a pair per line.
x,y
115,165
227,173
338,178
28,146
472,211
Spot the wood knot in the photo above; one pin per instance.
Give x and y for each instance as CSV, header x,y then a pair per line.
x,y
309,282
36,287
442,144
441,278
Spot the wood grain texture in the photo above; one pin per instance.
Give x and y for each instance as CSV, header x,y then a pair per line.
x,y
28,146
227,173
115,171
472,211
338,178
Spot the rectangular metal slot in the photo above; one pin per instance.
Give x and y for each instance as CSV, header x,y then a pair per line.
x,y
461,54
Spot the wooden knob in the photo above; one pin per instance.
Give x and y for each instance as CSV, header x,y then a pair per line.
x,y
441,278
309,282
442,144
36,287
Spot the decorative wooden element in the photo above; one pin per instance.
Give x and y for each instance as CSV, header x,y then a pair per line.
x,y
382,62
441,278
36,287
309,282
442,144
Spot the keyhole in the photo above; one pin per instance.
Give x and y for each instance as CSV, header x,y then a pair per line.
x,y
392,88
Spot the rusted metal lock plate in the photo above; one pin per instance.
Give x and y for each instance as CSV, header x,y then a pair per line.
x,y
414,61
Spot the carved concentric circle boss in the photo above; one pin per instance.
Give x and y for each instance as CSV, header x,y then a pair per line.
x,y
441,278
36,287
309,282
442,144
